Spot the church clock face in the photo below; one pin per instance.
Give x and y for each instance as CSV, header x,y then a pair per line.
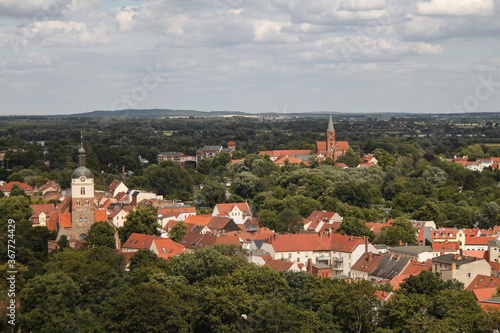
x,y
82,179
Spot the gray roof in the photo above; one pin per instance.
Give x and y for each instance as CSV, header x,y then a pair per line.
x,y
411,249
82,171
492,300
448,259
389,266
258,243
494,243
211,148
321,266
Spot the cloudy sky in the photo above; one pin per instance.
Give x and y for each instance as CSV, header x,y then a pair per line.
x,y
71,56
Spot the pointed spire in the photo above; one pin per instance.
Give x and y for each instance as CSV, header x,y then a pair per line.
x,y
81,152
330,125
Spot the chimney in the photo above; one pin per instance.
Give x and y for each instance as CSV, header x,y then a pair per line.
x,y
351,238
319,233
400,242
453,266
370,256
309,265
366,243
455,257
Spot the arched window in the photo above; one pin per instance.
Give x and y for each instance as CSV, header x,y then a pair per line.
x,y
82,191
87,203
78,204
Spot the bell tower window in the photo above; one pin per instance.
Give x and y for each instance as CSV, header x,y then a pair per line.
x,y
82,191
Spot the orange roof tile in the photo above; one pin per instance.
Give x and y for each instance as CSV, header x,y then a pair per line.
x,y
139,241
8,186
415,268
279,153
65,220
484,281
291,160
100,215
278,265
445,246
476,254
311,242
367,262
486,293
168,248
198,219
478,240
397,280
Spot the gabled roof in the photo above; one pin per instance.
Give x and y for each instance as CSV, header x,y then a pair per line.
x,y
65,220
291,160
278,265
384,296
478,240
390,266
168,248
367,262
376,227
23,186
445,246
476,254
225,209
482,294
218,223
45,208
198,219
176,210
139,241
315,242
397,280
416,267
280,153
114,185
484,281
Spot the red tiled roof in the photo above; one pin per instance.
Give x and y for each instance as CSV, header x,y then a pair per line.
x,y
8,187
279,153
488,306
484,281
312,242
218,223
445,246
367,262
384,295
198,219
478,240
45,208
476,254
65,220
415,268
228,207
376,227
341,165
168,248
139,241
114,184
482,294
291,160
100,215
278,265
397,280
176,211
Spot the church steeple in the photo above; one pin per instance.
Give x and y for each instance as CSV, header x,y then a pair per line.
x,y
81,152
330,125
330,139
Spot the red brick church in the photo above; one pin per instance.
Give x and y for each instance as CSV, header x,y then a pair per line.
x,y
331,147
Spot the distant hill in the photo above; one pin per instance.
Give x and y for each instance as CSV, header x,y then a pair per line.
x,y
155,113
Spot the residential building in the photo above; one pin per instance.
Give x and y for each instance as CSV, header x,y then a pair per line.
x,y
239,212
138,241
117,186
413,252
6,188
494,250
464,269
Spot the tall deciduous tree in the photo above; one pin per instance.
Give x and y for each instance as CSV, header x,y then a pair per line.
x,y
353,226
178,231
101,234
401,230
142,220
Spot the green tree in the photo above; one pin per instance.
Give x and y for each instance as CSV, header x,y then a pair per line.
x,y
17,191
142,220
50,303
487,216
178,231
211,194
428,283
101,234
148,307
353,226
401,230
204,263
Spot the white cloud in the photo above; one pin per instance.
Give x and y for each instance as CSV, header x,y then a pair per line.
x,y
67,34
456,7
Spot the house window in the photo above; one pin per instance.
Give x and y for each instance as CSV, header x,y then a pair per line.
x,y
468,275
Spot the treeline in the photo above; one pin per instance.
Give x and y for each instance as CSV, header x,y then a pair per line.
x,y
217,290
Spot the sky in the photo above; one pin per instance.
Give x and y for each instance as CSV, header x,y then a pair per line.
x,y
284,56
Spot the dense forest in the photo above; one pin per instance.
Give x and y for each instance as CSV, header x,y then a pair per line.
x,y
215,289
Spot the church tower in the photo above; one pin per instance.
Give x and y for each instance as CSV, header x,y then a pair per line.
x,y
82,198
330,139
